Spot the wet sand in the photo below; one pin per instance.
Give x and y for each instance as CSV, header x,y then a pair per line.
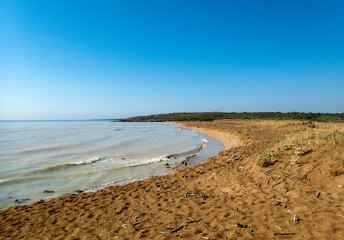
x,y
227,196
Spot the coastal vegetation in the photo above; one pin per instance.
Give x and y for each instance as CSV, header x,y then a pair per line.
x,y
321,143
265,159
211,116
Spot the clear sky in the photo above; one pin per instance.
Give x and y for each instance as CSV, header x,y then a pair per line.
x,y
108,59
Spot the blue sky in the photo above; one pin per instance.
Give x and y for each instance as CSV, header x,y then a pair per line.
x,y
110,59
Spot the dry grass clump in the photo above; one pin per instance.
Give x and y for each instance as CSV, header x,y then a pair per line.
x,y
321,142
304,148
286,144
273,123
335,156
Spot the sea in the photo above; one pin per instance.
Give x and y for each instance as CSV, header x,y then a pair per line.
x,y
48,159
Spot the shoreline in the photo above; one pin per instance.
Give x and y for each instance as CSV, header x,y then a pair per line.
x,y
189,160
225,196
228,140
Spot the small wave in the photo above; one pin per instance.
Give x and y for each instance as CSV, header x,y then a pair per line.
x,y
182,155
89,161
187,154
205,143
182,129
67,165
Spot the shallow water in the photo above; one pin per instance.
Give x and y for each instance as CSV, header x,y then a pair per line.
x,y
64,156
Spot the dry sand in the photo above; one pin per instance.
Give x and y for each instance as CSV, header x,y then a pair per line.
x,y
225,197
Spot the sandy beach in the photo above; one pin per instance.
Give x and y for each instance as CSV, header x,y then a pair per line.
x,y
227,139
229,196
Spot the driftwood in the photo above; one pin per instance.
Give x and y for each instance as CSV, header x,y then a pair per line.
x,y
183,225
279,202
134,224
276,184
288,223
189,194
241,225
179,228
304,177
296,219
284,234
279,227
193,221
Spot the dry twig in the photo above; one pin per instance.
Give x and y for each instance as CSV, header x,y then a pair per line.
x,y
284,234
179,228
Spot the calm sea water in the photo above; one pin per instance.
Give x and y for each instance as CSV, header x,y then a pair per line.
x,y
65,156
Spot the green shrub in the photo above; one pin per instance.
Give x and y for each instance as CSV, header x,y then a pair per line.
x,y
309,124
265,159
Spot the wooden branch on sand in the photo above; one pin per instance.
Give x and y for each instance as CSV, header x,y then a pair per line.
x,y
284,234
193,221
276,184
134,224
183,225
279,227
189,194
288,223
179,228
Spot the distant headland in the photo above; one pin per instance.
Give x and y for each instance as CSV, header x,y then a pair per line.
x,y
212,116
